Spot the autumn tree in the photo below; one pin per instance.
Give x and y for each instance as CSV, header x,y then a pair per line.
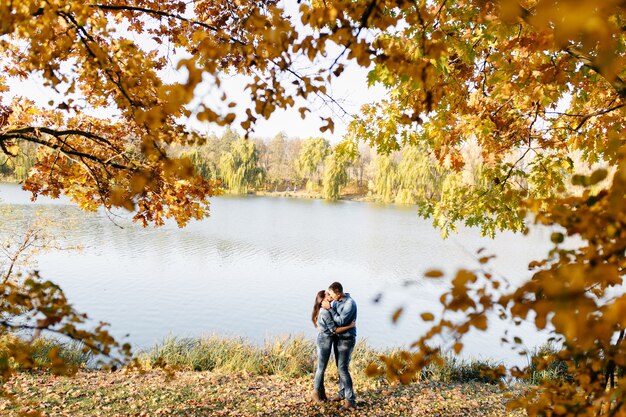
x,y
106,136
530,82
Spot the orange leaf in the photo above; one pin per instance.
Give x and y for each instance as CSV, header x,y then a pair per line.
x,y
396,314
427,316
433,273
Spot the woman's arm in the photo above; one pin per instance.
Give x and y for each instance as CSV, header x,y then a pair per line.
x,y
325,323
344,328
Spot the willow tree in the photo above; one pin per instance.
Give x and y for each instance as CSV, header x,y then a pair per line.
x,y
239,167
310,161
277,170
385,178
201,161
335,174
419,177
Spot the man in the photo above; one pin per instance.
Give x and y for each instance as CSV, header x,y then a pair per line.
x,y
343,310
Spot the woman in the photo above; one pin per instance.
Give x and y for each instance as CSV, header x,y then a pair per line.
x,y
323,321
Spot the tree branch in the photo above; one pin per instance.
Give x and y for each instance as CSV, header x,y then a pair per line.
x,y
84,38
92,346
508,175
24,134
166,14
233,39
618,83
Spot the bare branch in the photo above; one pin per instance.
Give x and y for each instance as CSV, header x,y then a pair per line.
x,y
23,133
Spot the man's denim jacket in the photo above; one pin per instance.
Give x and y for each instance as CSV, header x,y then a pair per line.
x,y
344,313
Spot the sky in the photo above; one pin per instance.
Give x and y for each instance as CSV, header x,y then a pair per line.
x,y
350,89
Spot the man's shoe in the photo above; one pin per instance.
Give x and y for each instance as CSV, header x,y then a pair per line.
x,y
348,405
337,399
318,397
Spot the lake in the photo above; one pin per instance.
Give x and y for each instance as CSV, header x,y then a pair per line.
x,y
253,268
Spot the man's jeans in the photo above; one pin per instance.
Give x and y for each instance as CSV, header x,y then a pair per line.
x,y
324,345
343,348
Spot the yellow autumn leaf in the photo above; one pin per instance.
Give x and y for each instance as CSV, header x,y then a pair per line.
x,y
427,316
433,273
396,314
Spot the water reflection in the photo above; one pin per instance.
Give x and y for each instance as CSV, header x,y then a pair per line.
x,y
253,268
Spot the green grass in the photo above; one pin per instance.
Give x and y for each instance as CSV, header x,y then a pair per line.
x,y
203,355
545,365
290,357
74,354
455,370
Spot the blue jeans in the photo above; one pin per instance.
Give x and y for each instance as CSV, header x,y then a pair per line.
x,y
324,345
343,348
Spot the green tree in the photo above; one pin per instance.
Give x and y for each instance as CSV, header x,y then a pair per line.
x,y
419,177
278,169
362,160
201,161
385,178
336,168
311,160
239,168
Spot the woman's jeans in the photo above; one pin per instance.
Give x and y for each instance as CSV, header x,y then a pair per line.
x,y
324,345
343,348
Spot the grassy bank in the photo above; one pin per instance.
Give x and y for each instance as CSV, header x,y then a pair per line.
x,y
315,195
233,377
289,357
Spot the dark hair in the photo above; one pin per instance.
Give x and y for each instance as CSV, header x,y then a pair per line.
x,y
336,287
321,296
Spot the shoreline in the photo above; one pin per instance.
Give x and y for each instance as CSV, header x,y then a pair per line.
x,y
313,196
303,194
288,356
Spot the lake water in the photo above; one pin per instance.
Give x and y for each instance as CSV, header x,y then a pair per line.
x,y
252,269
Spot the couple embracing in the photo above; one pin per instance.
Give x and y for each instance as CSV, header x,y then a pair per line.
x,y
334,316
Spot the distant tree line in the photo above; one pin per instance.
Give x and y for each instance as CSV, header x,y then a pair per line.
x,y
312,167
